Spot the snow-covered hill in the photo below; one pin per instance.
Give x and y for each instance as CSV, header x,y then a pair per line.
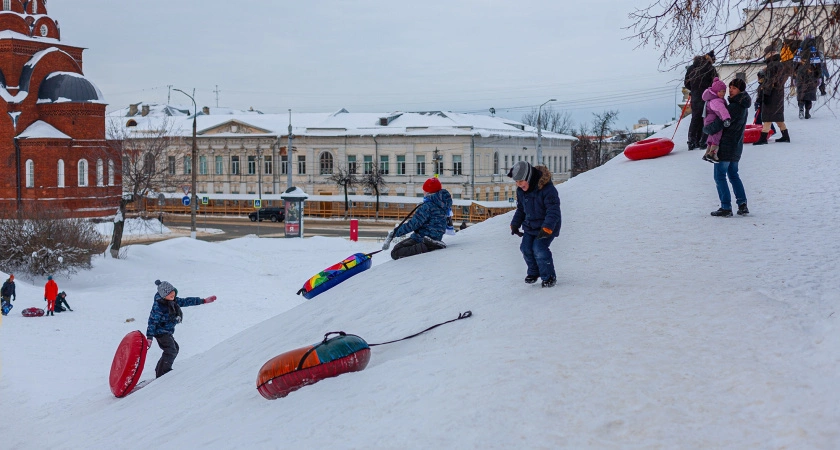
x,y
668,328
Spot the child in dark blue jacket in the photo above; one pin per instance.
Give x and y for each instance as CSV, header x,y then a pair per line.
x,y
538,212
166,313
428,223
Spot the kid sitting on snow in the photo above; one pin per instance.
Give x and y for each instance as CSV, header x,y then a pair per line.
x,y
715,110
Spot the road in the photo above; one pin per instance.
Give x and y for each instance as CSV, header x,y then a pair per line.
x,y
235,227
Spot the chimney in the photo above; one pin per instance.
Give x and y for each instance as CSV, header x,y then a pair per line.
x,y
145,111
206,110
132,109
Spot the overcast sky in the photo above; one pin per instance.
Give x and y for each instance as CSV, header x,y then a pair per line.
x,y
366,56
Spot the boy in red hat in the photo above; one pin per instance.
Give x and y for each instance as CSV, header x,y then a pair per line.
x,y
428,223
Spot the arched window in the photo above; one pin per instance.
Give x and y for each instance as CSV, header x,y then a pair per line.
x,y
110,172
60,173
326,161
100,173
149,163
496,163
83,173
30,173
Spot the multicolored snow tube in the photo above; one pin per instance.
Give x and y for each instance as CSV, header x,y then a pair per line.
x,y
336,274
308,365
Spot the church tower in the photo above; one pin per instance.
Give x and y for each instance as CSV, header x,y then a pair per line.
x,y
53,152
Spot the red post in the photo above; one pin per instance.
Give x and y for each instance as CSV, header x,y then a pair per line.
x,y
354,230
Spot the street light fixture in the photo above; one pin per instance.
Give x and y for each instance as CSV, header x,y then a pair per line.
x,y
539,130
194,198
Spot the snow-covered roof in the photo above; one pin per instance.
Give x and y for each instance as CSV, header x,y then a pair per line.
x,y
42,130
340,123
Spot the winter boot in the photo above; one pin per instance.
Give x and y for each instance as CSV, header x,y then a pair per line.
x,y
785,136
802,112
807,112
433,244
531,279
550,282
692,145
743,210
722,213
762,140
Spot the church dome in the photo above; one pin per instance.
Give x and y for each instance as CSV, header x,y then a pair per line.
x,y
60,87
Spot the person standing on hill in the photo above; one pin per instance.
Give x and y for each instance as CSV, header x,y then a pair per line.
x,y
427,225
538,212
7,292
729,153
715,111
698,78
50,293
806,78
165,314
773,100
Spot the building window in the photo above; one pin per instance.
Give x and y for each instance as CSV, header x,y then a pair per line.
x,y
383,164
220,165
110,172
420,162
100,173
400,164
301,164
187,165
284,164
202,165
148,164
30,173
252,165
60,173
495,196
506,163
83,172
326,163
35,7
368,164
7,5
268,165
496,163
234,165
170,165
456,165
351,163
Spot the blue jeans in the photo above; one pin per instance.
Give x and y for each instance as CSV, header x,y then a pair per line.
x,y
730,169
538,256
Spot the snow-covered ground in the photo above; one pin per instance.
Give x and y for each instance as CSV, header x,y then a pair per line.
x,y
135,228
668,328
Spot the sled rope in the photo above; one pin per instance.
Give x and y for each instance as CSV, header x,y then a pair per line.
x,y
682,114
462,315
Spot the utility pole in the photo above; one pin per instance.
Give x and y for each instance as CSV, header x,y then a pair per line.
x,y
217,95
193,165
539,131
289,154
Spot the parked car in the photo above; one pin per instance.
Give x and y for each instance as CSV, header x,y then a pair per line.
x,y
272,214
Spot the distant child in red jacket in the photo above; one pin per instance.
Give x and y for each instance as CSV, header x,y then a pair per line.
x,y
50,293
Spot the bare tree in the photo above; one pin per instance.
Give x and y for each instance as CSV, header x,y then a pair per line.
x,y
374,181
683,28
551,120
143,167
344,177
601,126
583,151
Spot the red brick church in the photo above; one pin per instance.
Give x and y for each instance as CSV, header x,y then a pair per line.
x,y
53,152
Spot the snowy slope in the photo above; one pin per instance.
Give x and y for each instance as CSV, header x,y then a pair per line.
x,y
668,328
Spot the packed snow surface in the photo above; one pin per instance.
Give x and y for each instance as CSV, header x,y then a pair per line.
x,y
668,328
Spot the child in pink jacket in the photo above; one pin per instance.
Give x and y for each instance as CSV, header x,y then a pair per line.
x,y
715,109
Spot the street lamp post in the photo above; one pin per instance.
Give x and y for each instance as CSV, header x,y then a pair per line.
x,y
539,130
289,154
193,198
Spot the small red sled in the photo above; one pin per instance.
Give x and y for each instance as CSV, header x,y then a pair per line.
x,y
32,312
128,363
649,148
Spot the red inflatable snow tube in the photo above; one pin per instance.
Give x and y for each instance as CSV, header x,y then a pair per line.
x,y
308,365
128,363
32,312
649,148
752,133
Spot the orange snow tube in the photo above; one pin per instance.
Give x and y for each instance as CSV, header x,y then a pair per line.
x,y
649,148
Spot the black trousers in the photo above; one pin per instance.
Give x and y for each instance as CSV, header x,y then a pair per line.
x,y
695,127
409,247
170,351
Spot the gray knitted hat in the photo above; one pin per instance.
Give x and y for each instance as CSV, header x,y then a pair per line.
x,y
164,288
520,171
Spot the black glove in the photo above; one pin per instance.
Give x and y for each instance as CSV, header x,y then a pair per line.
x,y
726,123
515,231
544,233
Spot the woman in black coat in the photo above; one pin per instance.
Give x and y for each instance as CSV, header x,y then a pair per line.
x,y
729,153
773,100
